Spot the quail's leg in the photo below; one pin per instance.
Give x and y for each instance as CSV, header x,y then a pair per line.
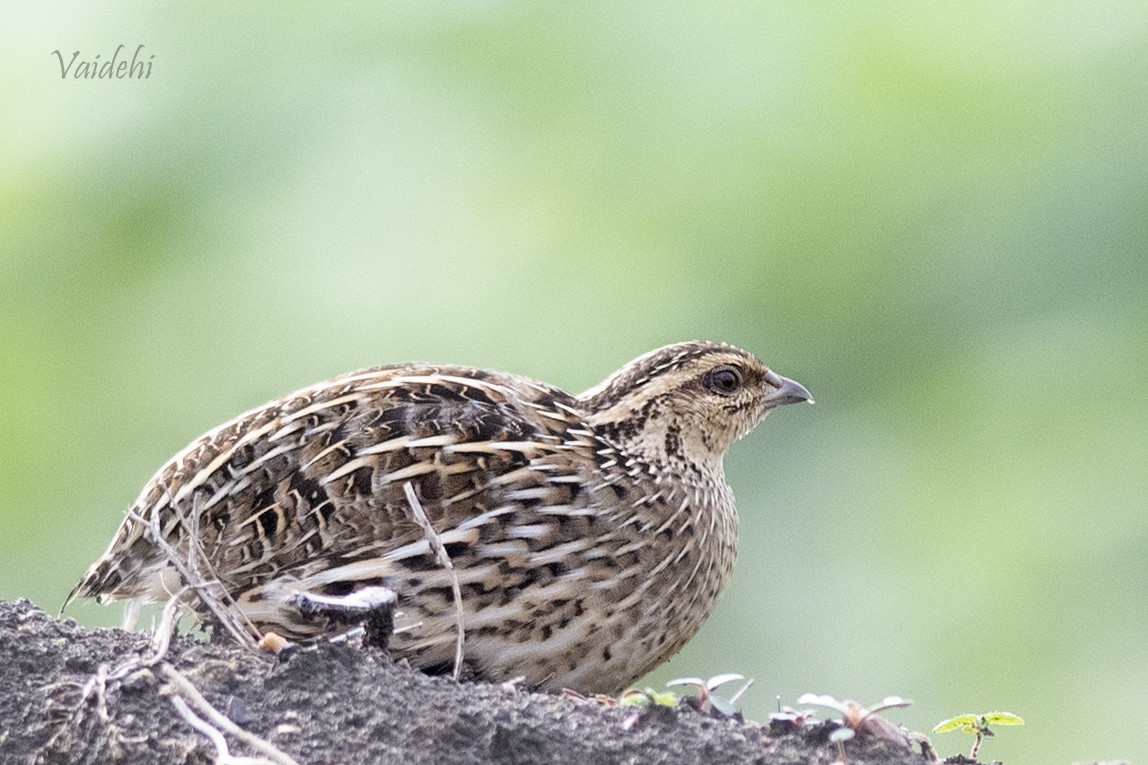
x,y
372,606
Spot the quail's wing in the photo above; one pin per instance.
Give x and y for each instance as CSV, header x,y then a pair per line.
x,y
317,478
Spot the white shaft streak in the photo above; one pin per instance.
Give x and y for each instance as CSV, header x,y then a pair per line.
x,y
444,559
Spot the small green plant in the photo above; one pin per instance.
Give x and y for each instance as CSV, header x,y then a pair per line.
x,y
638,697
856,719
641,700
978,725
788,719
707,698
853,715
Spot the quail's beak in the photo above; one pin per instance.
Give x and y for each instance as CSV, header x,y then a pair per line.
x,y
785,391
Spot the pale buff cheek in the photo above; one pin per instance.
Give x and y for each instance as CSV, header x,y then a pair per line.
x,y
751,423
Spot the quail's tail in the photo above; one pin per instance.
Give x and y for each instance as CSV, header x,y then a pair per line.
x,y
121,571
101,578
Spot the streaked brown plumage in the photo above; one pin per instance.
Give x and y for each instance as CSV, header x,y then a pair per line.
x,y
591,535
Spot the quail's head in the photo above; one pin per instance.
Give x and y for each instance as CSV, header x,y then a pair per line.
x,y
687,403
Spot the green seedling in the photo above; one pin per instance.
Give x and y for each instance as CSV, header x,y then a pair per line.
x,y
638,697
977,725
788,718
707,698
640,700
853,715
856,719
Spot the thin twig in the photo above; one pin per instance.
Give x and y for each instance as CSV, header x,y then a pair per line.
x,y
184,696
217,599
106,675
209,595
440,552
217,722
168,623
223,755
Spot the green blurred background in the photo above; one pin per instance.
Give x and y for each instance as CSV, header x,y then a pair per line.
x,y
932,214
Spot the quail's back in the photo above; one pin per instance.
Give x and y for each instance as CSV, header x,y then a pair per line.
x,y
590,535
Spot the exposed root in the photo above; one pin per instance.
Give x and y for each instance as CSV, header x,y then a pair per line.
x,y
96,690
186,696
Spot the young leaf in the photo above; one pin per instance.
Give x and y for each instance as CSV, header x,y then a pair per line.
x,y
717,681
695,681
726,708
733,699
967,723
821,700
1002,718
889,702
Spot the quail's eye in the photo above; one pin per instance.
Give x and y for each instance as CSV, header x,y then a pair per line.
x,y
723,380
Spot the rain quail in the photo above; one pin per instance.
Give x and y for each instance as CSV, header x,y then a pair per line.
x,y
589,536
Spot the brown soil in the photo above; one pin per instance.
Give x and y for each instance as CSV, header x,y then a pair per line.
x,y
342,704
